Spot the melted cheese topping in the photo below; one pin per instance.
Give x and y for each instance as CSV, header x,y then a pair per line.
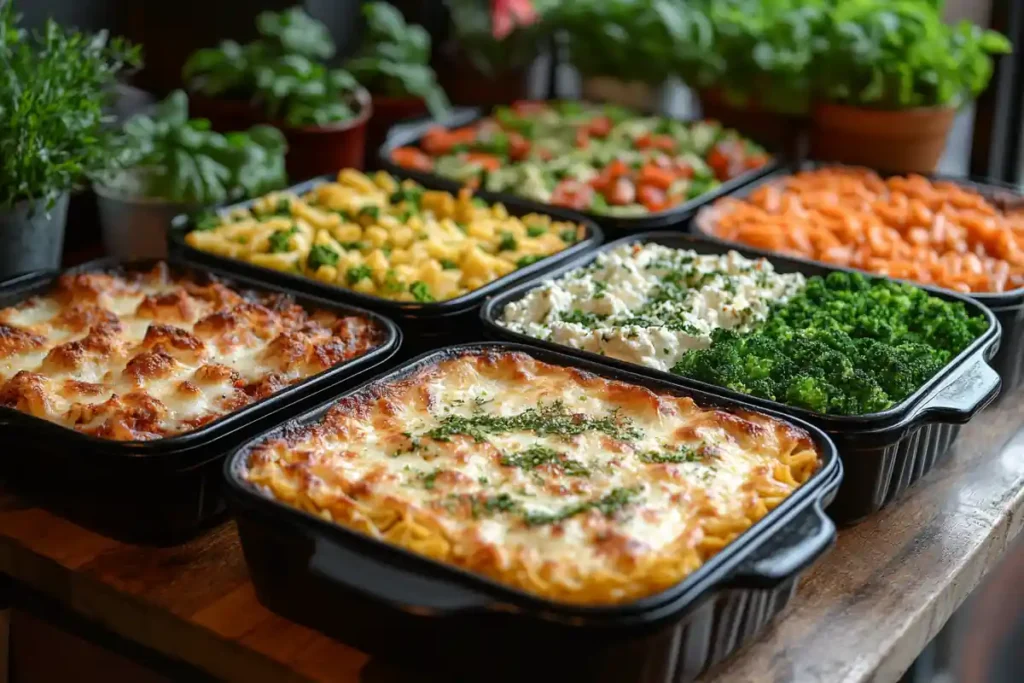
x,y
542,477
138,356
649,304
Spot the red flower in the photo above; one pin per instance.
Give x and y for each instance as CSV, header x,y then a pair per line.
x,y
506,15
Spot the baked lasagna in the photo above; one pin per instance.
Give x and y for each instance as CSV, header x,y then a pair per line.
x,y
544,478
134,356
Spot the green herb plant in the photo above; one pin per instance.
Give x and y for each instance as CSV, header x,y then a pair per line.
x,y
54,85
394,59
765,51
605,39
282,72
182,160
899,54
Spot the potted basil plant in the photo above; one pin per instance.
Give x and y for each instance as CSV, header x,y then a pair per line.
x,y
891,80
766,50
170,164
616,65
393,63
54,85
282,79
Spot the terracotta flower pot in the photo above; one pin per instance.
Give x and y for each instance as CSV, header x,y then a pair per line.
x,y
312,150
225,115
778,132
387,111
316,150
902,141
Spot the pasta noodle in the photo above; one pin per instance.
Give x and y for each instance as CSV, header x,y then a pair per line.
x,y
547,479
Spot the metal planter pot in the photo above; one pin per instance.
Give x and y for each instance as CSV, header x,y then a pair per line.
x,y
32,237
135,227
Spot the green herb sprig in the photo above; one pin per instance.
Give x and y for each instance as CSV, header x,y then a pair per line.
x,y
54,86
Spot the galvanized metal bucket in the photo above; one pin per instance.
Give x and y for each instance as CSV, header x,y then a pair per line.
x,y
32,237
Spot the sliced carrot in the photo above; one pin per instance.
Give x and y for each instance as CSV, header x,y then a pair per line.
x,y
412,158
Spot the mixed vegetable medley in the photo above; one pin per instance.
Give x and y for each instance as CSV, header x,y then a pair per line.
x,y
601,159
843,345
374,235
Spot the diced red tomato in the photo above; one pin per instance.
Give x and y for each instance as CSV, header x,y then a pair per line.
x,y
621,192
572,194
617,168
683,170
599,126
487,161
412,158
518,147
657,177
664,143
545,154
437,141
724,161
756,160
653,198
523,107
582,138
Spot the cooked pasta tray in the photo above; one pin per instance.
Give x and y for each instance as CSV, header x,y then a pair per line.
x,y
562,484
137,355
385,239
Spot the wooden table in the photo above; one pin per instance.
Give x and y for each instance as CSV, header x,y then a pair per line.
x,y
862,614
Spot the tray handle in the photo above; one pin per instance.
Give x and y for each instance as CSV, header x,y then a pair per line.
x,y
406,590
962,395
802,539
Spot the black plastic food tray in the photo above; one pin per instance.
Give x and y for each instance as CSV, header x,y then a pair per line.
x,y
410,135
391,602
425,326
1008,307
164,490
883,453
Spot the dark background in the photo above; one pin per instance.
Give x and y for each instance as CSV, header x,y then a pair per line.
x,y
170,31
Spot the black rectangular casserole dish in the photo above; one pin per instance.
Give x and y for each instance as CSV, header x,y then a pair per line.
x,y
166,489
394,603
410,135
1008,307
425,326
884,453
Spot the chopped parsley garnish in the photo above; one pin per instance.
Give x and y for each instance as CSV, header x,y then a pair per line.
x,y
550,419
536,230
283,208
600,287
345,215
430,478
568,235
279,241
356,246
609,505
391,282
408,194
479,203
321,255
535,456
528,260
371,211
582,318
448,264
421,291
680,454
508,242
207,221
357,273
